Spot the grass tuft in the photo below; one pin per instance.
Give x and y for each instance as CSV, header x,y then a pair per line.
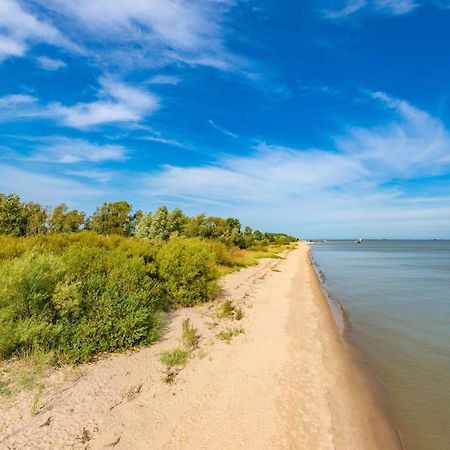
x,y
174,357
238,314
225,310
227,335
189,335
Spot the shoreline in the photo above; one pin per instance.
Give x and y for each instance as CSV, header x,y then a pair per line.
x,y
286,381
375,402
371,387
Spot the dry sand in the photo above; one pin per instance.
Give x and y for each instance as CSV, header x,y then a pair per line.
x,y
285,383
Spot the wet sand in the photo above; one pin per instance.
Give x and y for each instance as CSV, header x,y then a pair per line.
x,y
286,382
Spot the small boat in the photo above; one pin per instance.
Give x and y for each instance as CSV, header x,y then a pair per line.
x,y
358,241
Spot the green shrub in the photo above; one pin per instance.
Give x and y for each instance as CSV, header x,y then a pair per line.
x,y
174,357
188,270
80,303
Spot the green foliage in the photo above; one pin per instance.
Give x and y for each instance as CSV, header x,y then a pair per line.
x,y
188,270
78,304
174,357
189,334
225,309
239,314
73,293
230,333
62,220
159,228
13,215
112,218
143,226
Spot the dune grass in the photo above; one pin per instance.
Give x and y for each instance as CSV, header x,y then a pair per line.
x,y
174,357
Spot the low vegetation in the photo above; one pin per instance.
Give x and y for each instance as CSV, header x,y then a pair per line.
x,y
238,314
230,333
174,357
225,309
73,287
189,335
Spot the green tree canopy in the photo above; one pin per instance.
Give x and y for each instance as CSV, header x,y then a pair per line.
x,y
112,218
62,220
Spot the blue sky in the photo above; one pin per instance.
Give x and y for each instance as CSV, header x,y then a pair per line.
x,y
320,118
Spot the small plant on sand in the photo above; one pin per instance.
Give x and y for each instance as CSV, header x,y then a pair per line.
x,y
225,310
27,380
36,404
174,357
227,335
189,335
5,390
238,314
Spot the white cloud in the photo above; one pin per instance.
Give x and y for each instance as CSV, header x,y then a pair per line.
x,y
20,29
12,101
164,79
415,143
11,47
101,176
166,141
117,103
48,189
350,8
391,7
396,7
222,129
352,189
148,32
50,63
69,151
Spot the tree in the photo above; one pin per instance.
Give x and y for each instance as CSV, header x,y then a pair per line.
x,y
176,222
112,218
143,227
13,215
247,237
36,219
159,228
63,221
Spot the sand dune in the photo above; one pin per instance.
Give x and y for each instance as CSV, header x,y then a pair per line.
x,y
284,383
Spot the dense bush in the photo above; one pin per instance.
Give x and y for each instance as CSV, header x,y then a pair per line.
x,y
77,304
77,286
188,270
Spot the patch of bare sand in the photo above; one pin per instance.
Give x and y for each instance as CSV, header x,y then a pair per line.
x,y
285,382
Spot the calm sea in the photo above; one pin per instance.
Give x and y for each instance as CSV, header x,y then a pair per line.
x,y
396,301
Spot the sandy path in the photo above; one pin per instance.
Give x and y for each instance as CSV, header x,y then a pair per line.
x,y
286,383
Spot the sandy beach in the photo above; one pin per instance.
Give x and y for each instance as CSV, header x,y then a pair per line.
x,y
285,382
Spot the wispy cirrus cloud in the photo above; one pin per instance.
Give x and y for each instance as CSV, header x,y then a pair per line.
x,y
50,63
20,29
357,182
50,189
63,150
146,33
222,130
337,11
116,102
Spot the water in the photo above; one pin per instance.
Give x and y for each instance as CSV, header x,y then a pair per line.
x,y
396,297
